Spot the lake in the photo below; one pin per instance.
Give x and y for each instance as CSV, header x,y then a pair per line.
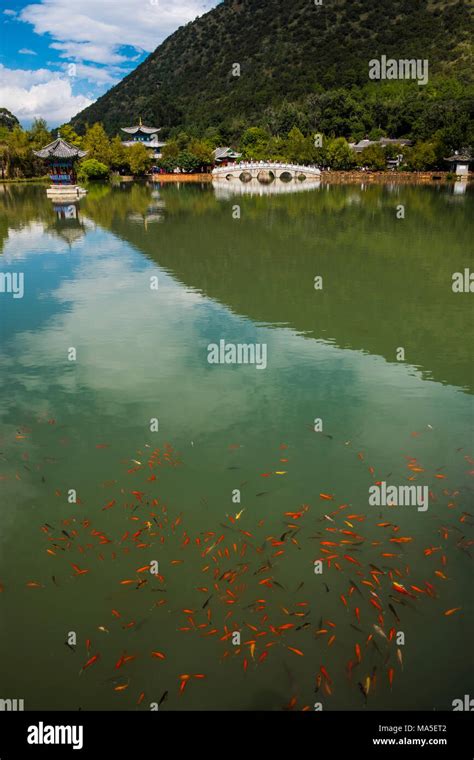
x,y
164,516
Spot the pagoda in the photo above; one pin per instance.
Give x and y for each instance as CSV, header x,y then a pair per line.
x,y
147,136
61,157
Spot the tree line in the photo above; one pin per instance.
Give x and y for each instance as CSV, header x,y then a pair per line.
x,y
288,138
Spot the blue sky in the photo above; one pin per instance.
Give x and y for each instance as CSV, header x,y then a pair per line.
x,y
58,56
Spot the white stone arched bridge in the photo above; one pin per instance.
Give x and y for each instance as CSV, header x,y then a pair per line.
x,y
265,171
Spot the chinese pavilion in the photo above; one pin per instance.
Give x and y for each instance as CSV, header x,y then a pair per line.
x,y
148,136
460,164
61,157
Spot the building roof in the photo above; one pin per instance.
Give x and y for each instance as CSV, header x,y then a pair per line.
x,y
358,147
140,128
60,149
394,141
461,157
226,152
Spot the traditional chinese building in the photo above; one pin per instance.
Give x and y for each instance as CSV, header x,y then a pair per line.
x,y
61,157
147,136
383,142
225,155
459,164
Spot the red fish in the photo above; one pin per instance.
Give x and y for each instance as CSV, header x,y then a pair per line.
x,y
90,662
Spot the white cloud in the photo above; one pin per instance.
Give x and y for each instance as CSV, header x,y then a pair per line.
x,y
41,93
87,51
27,51
94,31
9,12
99,75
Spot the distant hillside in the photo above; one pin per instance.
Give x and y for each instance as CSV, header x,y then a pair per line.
x,y
288,50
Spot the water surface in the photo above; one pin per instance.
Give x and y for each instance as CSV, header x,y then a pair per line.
x,y
142,355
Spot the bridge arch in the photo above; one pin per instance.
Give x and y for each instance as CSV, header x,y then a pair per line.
x,y
266,171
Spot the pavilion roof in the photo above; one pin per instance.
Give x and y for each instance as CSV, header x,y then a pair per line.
x,y
225,152
59,148
462,157
140,128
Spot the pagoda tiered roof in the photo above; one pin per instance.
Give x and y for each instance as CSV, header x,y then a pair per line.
x,y
59,148
154,143
140,128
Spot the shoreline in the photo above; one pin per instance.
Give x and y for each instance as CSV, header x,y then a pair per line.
x,y
327,177
342,177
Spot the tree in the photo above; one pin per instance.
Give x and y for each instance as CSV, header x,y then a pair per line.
x,y
97,144
376,133
340,155
39,134
4,151
138,159
170,151
281,120
254,143
422,157
90,168
202,151
213,136
119,155
182,140
7,119
19,159
168,164
298,148
374,157
188,162
68,134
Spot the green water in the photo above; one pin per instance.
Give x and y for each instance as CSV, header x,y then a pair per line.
x,y
141,354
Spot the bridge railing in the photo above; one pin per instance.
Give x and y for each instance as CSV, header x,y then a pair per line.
x,y
262,165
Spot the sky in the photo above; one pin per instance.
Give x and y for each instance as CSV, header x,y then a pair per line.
x,y
58,56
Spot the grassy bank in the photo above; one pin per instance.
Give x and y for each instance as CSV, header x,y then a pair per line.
x,y
24,180
181,177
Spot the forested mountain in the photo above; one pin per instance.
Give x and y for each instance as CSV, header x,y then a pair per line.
x,y
304,64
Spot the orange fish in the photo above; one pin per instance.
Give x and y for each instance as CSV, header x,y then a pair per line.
x,y
390,676
90,662
325,673
296,651
78,570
